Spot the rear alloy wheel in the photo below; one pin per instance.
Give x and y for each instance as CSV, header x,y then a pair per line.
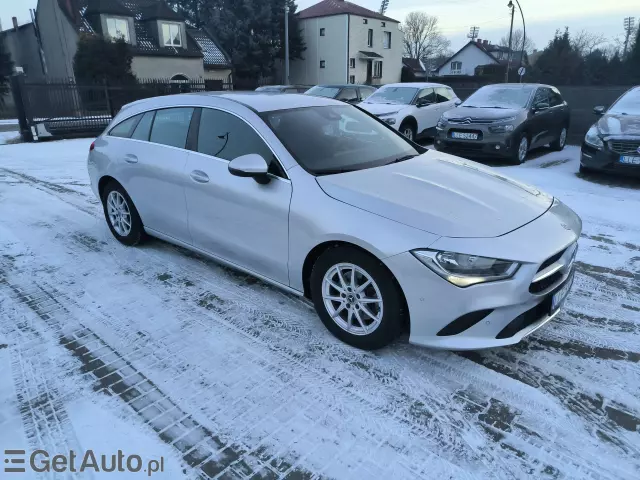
x,y
122,216
559,143
520,153
356,298
408,130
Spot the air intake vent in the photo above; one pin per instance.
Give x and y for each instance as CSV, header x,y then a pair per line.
x,y
463,323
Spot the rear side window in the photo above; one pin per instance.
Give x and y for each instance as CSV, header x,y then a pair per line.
x,y
123,129
143,129
171,127
226,136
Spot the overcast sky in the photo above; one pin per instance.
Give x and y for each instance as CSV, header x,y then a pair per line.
x,y
456,16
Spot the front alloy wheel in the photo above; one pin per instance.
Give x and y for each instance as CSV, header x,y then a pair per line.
x,y
356,297
523,149
352,299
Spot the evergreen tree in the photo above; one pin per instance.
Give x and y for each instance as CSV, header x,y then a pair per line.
x,y
596,68
615,75
560,63
98,59
6,69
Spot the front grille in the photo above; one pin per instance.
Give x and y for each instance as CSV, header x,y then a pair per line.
x,y
471,121
527,318
551,260
464,146
463,323
545,283
624,147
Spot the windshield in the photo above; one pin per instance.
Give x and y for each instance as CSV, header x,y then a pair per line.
x,y
393,96
628,104
498,96
329,92
337,139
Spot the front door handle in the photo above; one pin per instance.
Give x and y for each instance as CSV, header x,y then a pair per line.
x,y
129,158
199,176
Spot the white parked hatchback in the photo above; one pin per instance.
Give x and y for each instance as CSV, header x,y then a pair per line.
x,y
412,108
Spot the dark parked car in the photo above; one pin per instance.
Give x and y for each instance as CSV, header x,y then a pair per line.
x,y
613,143
347,93
505,120
282,89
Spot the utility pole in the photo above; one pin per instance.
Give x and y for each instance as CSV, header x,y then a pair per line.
x,y
629,23
384,6
473,33
513,11
286,42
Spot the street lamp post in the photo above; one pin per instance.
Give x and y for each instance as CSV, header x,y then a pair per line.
x,y
509,53
524,35
286,43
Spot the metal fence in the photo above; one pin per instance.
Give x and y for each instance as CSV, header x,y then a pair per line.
x,y
59,108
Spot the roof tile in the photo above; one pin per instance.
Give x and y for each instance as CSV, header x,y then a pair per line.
x,y
327,8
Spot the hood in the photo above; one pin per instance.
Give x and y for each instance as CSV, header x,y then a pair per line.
x,y
616,124
441,194
482,113
381,108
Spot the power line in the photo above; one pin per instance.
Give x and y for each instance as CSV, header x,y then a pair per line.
x,y
629,24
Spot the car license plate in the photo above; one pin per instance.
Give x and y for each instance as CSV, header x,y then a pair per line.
x,y
560,296
630,160
464,135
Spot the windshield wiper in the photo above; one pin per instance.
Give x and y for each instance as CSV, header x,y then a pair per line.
x,y
402,159
495,106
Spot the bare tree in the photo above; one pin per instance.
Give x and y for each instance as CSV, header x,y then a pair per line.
x,y
422,37
586,42
516,42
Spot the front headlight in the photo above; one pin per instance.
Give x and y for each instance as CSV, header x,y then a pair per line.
x,y
501,128
388,118
465,270
593,139
441,124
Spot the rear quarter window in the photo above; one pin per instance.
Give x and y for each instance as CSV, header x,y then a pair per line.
x,y
124,129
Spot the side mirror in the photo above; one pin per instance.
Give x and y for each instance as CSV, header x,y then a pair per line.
x,y
458,102
539,107
599,110
251,165
422,103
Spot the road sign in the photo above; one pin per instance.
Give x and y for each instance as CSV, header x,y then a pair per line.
x,y
522,71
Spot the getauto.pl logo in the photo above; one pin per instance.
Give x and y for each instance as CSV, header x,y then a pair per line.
x,y
40,461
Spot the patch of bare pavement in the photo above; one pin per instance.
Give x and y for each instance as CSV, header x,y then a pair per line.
x,y
234,379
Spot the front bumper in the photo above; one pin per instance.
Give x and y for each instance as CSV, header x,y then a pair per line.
x,y
491,145
508,310
606,160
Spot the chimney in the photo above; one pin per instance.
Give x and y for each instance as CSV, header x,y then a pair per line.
x,y
479,40
485,42
15,23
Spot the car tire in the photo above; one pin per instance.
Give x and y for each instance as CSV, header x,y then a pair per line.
x,y
559,143
378,309
583,169
121,215
408,130
516,156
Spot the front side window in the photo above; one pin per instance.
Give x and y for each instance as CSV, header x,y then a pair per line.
x,y
223,135
348,95
386,42
118,28
555,97
335,139
171,127
365,92
171,34
541,97
427,96
370,38
123,129
500,96
377,69
393,96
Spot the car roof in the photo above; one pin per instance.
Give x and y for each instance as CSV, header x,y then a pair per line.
x,y
343,85
415,85
256,101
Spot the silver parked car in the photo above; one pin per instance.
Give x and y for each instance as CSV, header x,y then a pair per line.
x,y
324,200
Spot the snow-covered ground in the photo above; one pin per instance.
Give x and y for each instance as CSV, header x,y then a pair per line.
x,y
161,353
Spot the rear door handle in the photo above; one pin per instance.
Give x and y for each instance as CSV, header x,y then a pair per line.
x,y
199,176
129,158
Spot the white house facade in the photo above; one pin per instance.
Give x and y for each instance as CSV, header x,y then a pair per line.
x,y
475,54
347,43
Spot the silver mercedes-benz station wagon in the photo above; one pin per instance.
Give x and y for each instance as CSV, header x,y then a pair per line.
x,y
324,200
